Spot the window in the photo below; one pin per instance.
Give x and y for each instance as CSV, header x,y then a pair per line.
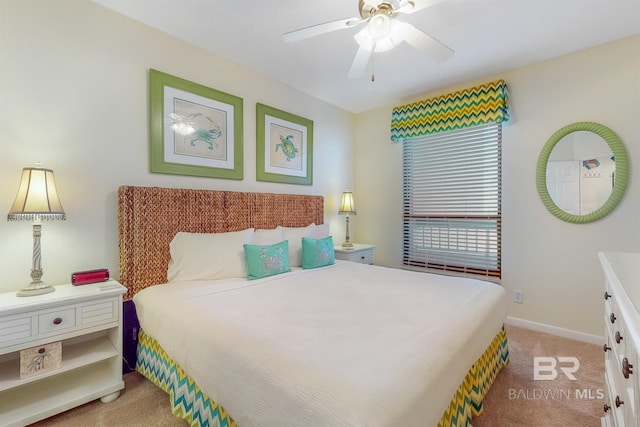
x,y
451,198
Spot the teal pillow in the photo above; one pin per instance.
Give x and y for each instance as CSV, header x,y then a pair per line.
x,y
317,252
266,260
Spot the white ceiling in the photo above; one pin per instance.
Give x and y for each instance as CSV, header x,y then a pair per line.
x,y
488,36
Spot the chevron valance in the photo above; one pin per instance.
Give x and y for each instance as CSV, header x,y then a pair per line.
x,y
487,103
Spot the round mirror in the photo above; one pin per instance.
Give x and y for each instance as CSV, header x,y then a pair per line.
x,y
582,172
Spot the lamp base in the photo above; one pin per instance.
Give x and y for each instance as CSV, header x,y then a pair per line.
x,y
35,288
347,245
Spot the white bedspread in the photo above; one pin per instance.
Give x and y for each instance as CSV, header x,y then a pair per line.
x,y
344,345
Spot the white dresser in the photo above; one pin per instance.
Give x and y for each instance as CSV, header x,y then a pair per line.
x,y
622,334
86,323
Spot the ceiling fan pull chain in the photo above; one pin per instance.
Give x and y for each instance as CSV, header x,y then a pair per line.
x,y
373,61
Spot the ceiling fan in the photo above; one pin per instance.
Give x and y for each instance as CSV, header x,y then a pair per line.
x,y
382,32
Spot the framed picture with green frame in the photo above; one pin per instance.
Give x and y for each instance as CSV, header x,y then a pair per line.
x,y
194,130
284,146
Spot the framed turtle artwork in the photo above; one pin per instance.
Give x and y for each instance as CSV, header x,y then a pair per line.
x,y
284,144
195,130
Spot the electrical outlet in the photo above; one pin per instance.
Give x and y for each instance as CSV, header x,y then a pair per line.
x,y
518,296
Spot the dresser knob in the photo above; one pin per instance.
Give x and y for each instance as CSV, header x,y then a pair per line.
x,y
618,402
618,337
606,295
57,320
626,368
612,317
606,407
606,348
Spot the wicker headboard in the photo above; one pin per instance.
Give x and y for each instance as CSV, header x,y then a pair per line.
x,y
149,218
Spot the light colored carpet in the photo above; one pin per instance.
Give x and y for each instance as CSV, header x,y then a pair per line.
x,y
515,400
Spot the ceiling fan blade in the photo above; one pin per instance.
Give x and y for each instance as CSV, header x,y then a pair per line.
x,y
405,6
316,30
359,63
427,44
411,6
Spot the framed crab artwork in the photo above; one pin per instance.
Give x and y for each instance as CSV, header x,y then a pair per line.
x,y
284,144
195,130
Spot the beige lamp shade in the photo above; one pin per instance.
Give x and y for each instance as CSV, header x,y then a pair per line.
x,y
37,197
347,205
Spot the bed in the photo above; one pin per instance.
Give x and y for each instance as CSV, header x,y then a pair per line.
x,y
333,343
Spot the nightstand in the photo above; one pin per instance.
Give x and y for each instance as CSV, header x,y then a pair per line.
x,y
359,253
87,321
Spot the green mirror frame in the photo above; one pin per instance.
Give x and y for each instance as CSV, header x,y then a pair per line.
x,y
619,186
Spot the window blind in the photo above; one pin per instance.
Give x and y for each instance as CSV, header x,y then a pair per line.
x,y
451,201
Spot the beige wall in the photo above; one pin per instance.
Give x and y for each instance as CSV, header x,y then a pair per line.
x,y
553,262
73,94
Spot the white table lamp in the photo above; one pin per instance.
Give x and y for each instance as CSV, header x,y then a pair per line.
x,y
37,199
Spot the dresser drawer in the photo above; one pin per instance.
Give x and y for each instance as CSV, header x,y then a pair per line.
x,y
614,415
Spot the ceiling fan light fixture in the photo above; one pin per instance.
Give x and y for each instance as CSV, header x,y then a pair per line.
x,y
379,26
394,36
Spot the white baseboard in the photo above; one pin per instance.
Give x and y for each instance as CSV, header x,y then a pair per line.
x,y
555,330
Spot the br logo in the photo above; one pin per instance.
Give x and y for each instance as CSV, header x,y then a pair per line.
x,y
546,368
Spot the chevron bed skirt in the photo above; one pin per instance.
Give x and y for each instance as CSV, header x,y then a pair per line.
x,y
189,403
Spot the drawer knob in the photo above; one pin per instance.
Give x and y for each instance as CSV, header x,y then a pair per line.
x,y
626,368
606,348
618,337
57,320
606,295
606,407
618,402
612,317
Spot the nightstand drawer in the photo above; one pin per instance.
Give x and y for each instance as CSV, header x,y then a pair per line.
x,y
360,253
56,321
364,257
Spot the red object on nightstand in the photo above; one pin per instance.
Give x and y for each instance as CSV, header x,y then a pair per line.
x,y
90,276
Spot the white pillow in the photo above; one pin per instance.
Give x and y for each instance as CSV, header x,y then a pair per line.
x,y
294,235
267,237
208,256
321,231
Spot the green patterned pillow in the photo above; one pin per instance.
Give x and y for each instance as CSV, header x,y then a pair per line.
x,y
317,252
266,260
